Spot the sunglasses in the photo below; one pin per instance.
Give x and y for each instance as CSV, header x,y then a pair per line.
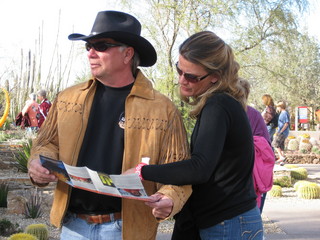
x,y
190,77
101,46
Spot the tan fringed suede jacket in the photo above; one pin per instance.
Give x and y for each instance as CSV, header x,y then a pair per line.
x,y
153,128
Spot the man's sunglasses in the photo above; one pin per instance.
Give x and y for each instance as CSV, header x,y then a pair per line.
x,y
190,77
101,46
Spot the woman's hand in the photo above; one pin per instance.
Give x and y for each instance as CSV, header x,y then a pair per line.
x,y
129,171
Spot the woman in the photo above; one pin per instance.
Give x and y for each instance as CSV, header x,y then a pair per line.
x,y
268,115
223,202
283,131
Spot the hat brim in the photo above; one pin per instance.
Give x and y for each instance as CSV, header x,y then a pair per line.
x,y
146,51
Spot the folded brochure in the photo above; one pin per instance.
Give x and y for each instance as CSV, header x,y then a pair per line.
x,y
126,186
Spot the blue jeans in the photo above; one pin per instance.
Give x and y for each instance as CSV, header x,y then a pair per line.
x,y
271,131
242,227
78,229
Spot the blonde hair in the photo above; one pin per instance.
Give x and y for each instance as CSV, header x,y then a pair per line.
x,y
281,104
215,56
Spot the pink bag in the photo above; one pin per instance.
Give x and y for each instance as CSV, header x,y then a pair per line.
x,y
263,166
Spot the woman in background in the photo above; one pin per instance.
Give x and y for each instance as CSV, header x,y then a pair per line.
x,y
268,115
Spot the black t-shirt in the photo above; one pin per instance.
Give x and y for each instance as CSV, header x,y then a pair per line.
x,y
102,148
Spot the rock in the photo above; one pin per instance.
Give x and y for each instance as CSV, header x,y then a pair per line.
x,y
316,161
16,201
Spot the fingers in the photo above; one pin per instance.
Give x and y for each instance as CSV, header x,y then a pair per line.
x,y
162,207
40,174
155,197
129,171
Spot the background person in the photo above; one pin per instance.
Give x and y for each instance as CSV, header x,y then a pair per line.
x,y
268,115
258,128
44,106
108,124
32,109
222,153
283,131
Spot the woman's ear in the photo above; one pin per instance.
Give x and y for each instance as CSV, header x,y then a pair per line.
x,y
214,79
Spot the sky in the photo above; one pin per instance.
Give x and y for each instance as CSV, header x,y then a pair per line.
x,y
20,21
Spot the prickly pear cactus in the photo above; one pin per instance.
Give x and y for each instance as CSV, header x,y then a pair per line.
x,y
293,144
38,230
22,236
276,191
309,191
299,173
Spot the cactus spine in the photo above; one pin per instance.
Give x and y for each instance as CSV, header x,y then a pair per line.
x,y
38,230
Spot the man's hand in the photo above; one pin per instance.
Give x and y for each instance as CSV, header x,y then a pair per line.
x,y
40,174
161,204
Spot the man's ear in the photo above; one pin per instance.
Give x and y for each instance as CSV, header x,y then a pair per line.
x,y
129,52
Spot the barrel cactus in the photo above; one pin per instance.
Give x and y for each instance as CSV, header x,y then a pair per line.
x,y
305,146
309,191
276,191
299,184
22,236
299,173
314,141
290,166
38,230
293,144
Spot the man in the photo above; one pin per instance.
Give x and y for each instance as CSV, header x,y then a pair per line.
x,y
108,124
44,106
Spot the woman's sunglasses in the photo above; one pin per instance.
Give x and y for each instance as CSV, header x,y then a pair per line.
x,y
190,77
101,46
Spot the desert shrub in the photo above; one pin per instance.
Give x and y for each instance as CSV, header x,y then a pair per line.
x,y
4,189
23,156
32,208
7,228
283,181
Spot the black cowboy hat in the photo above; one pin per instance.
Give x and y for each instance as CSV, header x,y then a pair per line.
x,y
123,28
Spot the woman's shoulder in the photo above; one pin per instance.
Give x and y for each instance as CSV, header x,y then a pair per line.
x,y
222,98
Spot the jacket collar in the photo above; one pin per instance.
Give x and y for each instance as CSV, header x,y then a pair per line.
x,y
142,87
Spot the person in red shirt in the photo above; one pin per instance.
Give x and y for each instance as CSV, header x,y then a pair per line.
x,y
31,108
44,106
